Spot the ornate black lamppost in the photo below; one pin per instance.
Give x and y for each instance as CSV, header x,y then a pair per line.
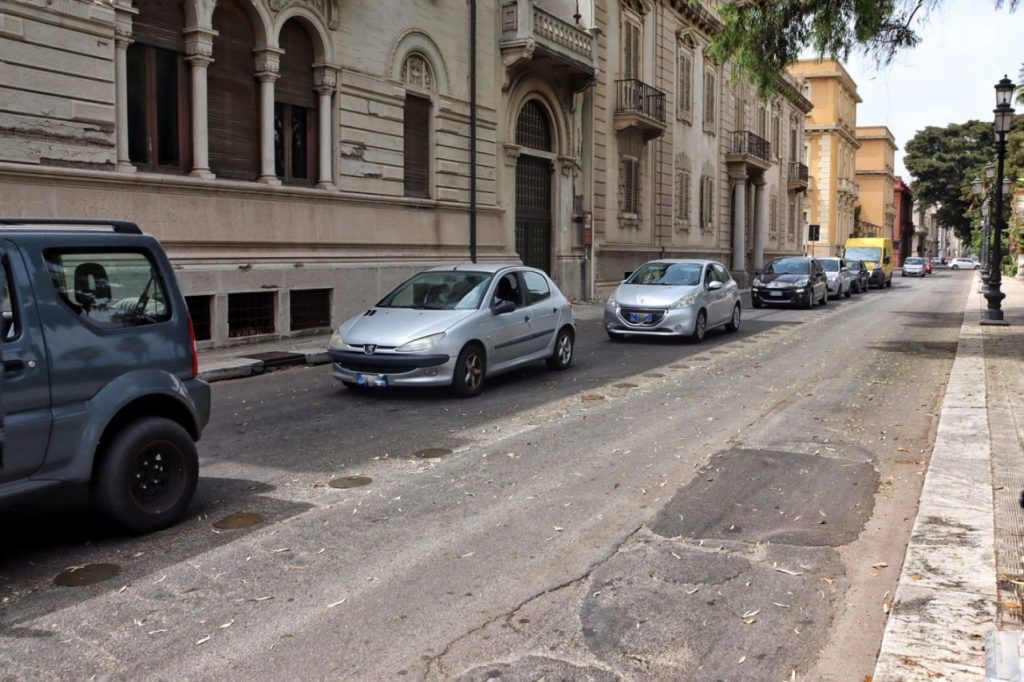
x,y
1003,120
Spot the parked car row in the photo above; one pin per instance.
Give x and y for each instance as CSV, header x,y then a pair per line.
x,y
804,281
457,325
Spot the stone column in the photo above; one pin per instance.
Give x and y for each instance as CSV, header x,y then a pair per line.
x,y
124,163
199,48
325,78
268,62
739,221
760,222
123,15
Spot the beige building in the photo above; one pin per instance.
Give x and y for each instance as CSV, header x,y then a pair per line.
x,y
686,164
875,165
831,151
298,158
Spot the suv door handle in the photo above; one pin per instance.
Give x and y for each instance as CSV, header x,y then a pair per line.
x,y
14,366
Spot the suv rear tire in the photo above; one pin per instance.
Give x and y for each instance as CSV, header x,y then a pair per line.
x,y
147,475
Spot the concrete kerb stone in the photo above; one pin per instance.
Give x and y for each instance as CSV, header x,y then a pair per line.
x,y
939,621
234,368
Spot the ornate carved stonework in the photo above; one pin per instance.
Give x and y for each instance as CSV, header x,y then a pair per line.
x,y
569,165
199,43
512,152
268,61
328,9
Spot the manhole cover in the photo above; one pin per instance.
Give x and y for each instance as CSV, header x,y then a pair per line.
x,y
345,482
78,576
277,358
239,520
432,453
625,385
654,375
592,396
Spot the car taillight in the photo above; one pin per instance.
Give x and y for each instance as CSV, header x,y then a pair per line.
x,y
195,351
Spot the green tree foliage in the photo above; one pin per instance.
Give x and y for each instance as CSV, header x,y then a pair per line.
x,y
940,159
764,36
943,162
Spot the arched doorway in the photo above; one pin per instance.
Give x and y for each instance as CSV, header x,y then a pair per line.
x,y
533,186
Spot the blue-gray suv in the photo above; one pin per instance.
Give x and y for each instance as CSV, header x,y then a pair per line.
x,y
99,382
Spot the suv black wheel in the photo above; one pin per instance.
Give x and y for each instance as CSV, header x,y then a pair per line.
x,y
755,302
147,475
469,372
561,358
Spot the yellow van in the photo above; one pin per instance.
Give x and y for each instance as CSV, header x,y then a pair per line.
x,y
876,252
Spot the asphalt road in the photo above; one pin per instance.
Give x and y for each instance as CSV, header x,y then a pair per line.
x,y
736,509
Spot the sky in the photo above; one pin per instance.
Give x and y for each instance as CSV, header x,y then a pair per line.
x,y
966,47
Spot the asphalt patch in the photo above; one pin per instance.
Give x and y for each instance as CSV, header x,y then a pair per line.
x,y
346,482
239,520
530,668
432,453
771,496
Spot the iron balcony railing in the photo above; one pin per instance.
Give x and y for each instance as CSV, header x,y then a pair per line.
x,y
746,142
798,171
636,97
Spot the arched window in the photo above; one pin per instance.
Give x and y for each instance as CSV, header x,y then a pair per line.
x,y
157,86
233,103
419,82
295,124
533,128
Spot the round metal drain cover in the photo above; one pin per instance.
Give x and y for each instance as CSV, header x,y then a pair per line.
x,y
625,385
79,576
239,520
345,482
592,396
432,453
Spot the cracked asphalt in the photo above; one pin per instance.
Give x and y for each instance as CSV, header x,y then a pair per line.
x,y
663,511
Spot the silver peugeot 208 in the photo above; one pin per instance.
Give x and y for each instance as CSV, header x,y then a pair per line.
x,y
454,326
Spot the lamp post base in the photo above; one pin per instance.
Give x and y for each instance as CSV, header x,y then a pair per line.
x,y
994,323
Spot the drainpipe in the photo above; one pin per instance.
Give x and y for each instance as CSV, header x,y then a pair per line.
x,y
472,130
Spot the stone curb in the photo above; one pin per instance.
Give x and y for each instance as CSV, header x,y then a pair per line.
x,y
230,369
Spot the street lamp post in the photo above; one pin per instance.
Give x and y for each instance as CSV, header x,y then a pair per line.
x,y
1003,120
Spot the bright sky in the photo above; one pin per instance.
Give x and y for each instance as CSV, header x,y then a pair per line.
x,y
966,47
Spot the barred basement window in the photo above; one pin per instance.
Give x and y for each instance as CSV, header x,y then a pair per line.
x,y
250,314
199,311
310,309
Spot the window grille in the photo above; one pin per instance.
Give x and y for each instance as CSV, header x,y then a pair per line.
x,y
416,146
199,311
310,309
683,199
532,127
709,98
251,313
684,103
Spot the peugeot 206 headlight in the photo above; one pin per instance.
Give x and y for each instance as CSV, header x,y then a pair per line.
x,y
426,343
337,342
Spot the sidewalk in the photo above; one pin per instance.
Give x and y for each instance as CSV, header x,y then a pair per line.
x,y
957,610
235,362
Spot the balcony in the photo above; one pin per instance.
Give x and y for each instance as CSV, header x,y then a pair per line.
x,y
847,186
751,151
639,106
533,38
798,176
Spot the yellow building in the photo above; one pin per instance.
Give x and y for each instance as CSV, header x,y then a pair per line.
x,y
831,149
875,164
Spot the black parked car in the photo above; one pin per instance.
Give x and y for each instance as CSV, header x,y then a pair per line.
x,y
794,280
859,275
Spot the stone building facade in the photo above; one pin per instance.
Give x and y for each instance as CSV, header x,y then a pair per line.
x,y
831,151
687,161
875,165
298,158
903,227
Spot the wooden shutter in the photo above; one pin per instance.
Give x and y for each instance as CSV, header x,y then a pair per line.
x,y
709,98
416,130
295,86
631,51
685,83
159,23
233,104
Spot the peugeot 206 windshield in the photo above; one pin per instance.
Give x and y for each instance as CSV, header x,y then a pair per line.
x,y
439,290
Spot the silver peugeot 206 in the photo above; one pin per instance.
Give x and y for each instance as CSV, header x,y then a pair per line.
x,y
673,297
454,326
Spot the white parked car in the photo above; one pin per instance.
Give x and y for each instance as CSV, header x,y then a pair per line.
x,y
840,282
673,297
914,266
964,264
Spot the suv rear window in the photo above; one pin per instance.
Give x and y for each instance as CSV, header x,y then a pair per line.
x,y
111,289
